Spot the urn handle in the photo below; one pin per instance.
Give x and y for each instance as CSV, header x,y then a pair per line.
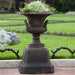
x,y
27,25
45,24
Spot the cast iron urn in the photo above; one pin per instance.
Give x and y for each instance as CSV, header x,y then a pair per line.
x,y
36,56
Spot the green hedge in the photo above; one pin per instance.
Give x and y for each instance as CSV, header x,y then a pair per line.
x,y
65,5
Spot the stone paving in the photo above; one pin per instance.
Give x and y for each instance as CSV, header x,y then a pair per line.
x,y
58,71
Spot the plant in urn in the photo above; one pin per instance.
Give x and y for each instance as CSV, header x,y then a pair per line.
x,y
35,56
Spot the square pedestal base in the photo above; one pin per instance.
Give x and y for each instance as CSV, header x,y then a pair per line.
x,y
35,69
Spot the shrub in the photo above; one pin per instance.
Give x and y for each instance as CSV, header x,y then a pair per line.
x,y
7,38
37,6
65,5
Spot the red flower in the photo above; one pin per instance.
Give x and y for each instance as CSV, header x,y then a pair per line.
x,y
52,8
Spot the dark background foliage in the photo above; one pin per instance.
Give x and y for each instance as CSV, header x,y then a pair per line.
x,y
65,5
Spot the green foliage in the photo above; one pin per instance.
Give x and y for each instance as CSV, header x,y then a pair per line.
x,y
36,6
65,5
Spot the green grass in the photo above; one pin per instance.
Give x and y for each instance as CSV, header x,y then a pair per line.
x,y
51,43
10,15
54,42
63,17
11,22
61,28
58,28
19,19
12,19
24,40
14,28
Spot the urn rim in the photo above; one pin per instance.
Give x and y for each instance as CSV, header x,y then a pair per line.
x,y
37,13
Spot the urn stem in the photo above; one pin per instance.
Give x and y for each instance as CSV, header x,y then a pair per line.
x,y
36,38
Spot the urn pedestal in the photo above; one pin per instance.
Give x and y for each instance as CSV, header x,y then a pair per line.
x,y
36,56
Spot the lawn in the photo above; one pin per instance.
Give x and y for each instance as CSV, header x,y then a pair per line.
x,y
57,28
63,17
11,22
12,19
14,28
61,28
51,42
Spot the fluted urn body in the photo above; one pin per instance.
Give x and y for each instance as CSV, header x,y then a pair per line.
x,y
35,56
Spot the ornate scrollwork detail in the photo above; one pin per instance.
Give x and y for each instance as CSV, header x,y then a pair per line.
x,y
27,25
45,25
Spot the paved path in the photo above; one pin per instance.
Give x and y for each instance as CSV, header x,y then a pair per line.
x,y
58,71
